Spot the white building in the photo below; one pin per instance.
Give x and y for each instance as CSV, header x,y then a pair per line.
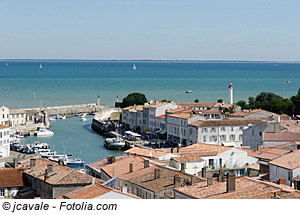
x,y
17,117
285,167
200,155
219,132
130,116
4,115
177,126
152,111
4,141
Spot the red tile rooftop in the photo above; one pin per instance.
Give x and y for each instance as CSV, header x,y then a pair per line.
x,y
288,161
288,137
11,178
245,188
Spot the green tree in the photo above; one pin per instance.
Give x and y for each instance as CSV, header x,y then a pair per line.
x,y
267,96
251,100
134,99
196,100
296,103
242,104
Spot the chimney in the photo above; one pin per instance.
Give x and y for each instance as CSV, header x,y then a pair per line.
x,y
177,181
49,168
113,159
258,147
178,149
46,176
131,167
172,150
157,173
15,164
221,177
182,169
204,172
32,162
146,163
230,184
209,181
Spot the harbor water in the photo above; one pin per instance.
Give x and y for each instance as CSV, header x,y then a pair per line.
x,y
75,137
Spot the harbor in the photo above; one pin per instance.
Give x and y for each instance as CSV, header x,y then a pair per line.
x,y
74,136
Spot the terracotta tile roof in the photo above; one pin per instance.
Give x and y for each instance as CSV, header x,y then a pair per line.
x,y
120,168
211,111
17,111
146,152
181,115
287,144
145,178
11,178
61,175
291,125
133,108
281,136
254,166
288,161
100,163
246,188
155,105
163,116
266,153
224,123
87,192
177,110
3,126
189,157
208,104
204,147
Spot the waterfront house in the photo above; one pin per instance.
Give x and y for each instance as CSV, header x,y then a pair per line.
x,y
17,117
285,168
130,116
50,180
193,158
232,188
219,132
4,141
11,181
4,115
97,191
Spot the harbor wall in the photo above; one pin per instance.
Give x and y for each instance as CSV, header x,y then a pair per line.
x,y
73,109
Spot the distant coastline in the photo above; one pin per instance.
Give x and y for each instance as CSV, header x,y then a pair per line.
x,y
144,60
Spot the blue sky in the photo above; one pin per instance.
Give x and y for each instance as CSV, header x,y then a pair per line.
x,y
139,29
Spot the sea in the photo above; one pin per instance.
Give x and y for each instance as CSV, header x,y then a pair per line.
x,y
24,84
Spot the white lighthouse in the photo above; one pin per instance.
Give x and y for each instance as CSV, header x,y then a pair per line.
x,y
98,100
230,88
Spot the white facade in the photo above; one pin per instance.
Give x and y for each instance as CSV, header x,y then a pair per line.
x,y
17,117
177,126
232,158
4,141
253,135
4,115
218,135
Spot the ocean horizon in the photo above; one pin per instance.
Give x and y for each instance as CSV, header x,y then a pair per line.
x,y
23,84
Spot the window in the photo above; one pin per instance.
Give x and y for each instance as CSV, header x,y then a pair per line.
x,y
184,132
223,129
204,138
204,130
211,162
252,132
232,128
213,138
213,129
144,121
145,115
223,138
232,137
241,128
289,175
220,162
2,192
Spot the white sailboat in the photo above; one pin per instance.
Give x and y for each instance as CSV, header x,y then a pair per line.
x,y
6,64
41,67
134,67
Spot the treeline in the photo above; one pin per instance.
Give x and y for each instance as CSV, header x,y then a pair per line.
x,y
271,102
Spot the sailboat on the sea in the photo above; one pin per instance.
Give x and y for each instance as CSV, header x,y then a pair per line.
x,y
41,67
134,67
6,64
